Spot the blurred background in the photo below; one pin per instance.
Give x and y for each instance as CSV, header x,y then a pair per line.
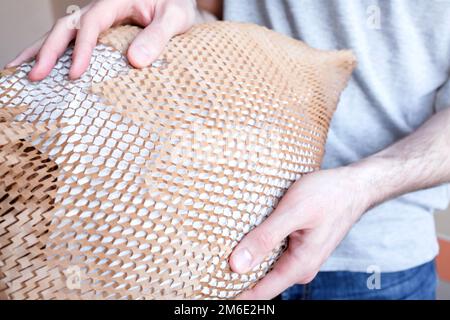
x,y
24,21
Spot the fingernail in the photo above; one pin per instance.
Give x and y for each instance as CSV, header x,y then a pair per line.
x,y
242,260
142,55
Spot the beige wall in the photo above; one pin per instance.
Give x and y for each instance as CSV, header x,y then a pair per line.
x,y
24,21
21,23
60,6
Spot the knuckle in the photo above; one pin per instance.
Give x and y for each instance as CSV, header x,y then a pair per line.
x,y
98,4
175,8
90,18
180,14
85,19
174,14
61,23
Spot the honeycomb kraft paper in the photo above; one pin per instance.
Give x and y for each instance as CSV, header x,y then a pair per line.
x,y
138,184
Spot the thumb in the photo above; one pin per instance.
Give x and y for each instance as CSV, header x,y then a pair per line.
x,y
259,243
148,45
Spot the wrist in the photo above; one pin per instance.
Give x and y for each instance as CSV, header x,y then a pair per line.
x,y
373,177
355,188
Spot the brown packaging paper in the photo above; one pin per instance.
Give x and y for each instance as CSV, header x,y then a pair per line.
x,y
137,184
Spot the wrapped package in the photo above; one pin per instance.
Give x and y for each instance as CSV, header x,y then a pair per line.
x,y
138,184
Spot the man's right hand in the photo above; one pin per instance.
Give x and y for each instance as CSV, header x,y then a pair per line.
x,y
162,20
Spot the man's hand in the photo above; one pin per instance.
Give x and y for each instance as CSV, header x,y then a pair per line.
x,y
162,19
319,209
316,213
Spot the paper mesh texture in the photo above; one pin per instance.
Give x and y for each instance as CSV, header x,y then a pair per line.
x,y
137,184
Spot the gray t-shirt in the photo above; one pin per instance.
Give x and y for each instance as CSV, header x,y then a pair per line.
x,y
403,51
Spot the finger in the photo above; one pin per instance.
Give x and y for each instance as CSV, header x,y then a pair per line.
x,y
53,48
93,22
150,43
276,281
53,45
294,266
27,54
259,242
147,46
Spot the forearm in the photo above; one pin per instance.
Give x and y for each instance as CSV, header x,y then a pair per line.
x,y
419,161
